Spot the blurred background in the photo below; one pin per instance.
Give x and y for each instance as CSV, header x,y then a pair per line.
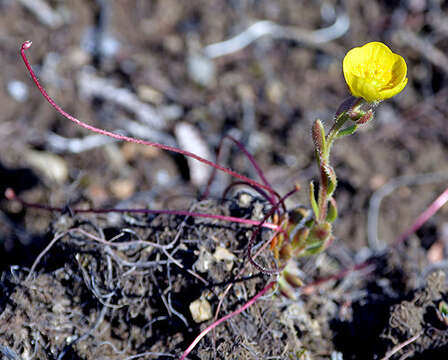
x,y
185,73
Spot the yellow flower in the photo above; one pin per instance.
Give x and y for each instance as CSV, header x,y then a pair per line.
x,y
374,72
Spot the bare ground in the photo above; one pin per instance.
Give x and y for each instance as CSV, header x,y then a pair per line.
x,y
131,296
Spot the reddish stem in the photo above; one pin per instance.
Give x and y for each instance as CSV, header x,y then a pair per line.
x,y
435,206
252,161
10,195
27,44
257,230
309,288
225,318
424,216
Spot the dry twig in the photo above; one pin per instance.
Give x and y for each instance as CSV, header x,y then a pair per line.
x,y
387,189
44,13
265,27
397,348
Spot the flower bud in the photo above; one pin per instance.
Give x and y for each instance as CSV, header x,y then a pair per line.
x,y
368,115
318,133
357,109
361,111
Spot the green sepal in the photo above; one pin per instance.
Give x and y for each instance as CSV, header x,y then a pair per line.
x,y
332,213
313,201
347,131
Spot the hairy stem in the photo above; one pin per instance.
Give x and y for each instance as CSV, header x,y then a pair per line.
x,y
325,159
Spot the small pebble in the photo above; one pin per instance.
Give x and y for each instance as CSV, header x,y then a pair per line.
x,y
201,70
163,177
52,166
222,254
122,188
200,310
150,95
190,139
18,90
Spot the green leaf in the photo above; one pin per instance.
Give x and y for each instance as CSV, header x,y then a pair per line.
x,y
443,308
347,131
318,239
313,201
314,248
310,223
332,213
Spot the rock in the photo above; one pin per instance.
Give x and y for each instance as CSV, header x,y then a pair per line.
x,y
191,140
122,188
201,70
200,310
52,166
205,259
18,90
222,254
150,95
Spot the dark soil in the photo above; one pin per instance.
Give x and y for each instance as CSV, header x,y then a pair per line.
x,y
120,286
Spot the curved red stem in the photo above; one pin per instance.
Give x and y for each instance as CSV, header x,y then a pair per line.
x,y
252,161
424,216
225,318
27,44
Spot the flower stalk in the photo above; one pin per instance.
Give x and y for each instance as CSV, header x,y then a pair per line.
x,y
373,73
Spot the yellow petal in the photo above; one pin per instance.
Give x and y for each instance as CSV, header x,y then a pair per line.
x,y
388,93
398,72
374,72
359,87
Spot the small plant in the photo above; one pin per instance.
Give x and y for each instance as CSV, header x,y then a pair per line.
x,y
373,73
